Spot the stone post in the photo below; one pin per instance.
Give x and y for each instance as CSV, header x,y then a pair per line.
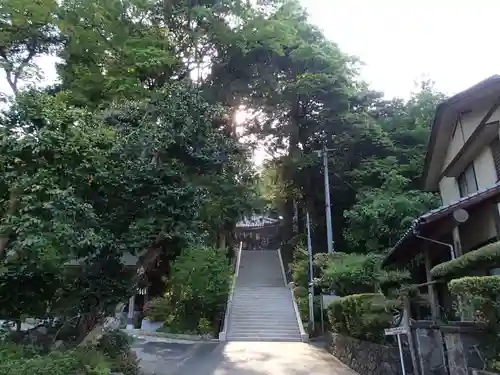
x,y
130,316
457,357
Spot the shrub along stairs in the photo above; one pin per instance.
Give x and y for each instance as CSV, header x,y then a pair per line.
x,y
261,307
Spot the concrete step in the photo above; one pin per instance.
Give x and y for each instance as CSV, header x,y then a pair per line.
x,y
256,325
265,339
263,331
267,322
262,306
294,338
265,314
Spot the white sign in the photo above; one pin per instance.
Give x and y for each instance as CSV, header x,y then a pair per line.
x,y
395,331
401,330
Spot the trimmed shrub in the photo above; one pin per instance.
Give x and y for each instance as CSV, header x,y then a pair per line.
x,y
486,256
391,282
478,297
362,316
351,274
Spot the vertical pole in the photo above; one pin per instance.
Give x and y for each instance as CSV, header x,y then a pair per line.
x,y
430,287
411,342
130,316
456,242
401,355
329,232
322,313
311,276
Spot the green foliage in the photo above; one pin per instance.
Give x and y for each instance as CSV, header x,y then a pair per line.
x,y
302,299
196,293
158,309
393,282
362,316
478,298
136,149
351,274
114,344
17,361
145,176
27,31
199,282
381,216
346,274
486,257
112,354
300,266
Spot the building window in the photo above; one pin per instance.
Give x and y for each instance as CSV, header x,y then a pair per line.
x,y
495,151
467,183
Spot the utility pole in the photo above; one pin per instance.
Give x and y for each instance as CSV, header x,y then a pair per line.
x,y
311,275
328,208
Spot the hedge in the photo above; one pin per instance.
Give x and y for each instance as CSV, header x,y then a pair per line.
x,y
478,297
486,256
362,316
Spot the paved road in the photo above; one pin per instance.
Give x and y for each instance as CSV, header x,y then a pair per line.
x,y
236,358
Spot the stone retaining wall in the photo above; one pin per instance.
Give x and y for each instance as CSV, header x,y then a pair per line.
x,y
367,358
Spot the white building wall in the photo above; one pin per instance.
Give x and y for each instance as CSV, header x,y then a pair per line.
x,y
481,224
465,127
448,189
484,167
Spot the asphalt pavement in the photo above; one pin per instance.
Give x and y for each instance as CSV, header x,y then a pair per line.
x,y
163,357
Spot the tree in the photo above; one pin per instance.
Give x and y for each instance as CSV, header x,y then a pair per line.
x,y
381,216
27,31
387,198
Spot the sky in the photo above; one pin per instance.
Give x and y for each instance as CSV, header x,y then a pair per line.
x,y
453,43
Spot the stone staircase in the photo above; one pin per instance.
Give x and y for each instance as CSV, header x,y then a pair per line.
x,y
262,308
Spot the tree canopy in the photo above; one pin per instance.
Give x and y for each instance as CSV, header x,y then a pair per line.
x,y
135,146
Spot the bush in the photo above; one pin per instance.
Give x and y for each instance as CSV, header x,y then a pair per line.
x,y
200,280
158,309
126,364
300,267
478,297
196,293
351,274
391,282
114,343
15,360
112,354
302,298
486,256
362,316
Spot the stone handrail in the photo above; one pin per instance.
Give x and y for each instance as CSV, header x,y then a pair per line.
x,y
223,333
303,334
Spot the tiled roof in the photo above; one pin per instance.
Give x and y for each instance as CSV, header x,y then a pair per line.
x,y
256,221
437,214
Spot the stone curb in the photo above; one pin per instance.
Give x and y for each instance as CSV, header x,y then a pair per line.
x,y
170,336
